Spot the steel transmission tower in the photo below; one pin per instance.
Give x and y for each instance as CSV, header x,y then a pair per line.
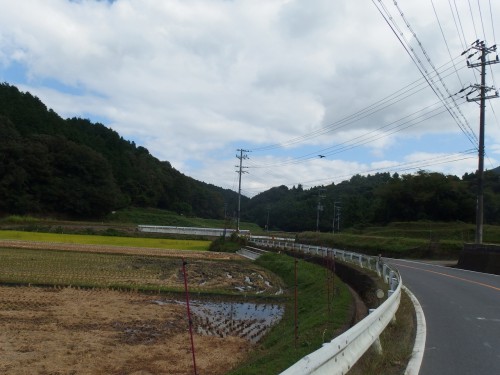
x,y
482,89
240,171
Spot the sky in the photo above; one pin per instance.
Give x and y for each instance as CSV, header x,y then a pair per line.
x,y
194,81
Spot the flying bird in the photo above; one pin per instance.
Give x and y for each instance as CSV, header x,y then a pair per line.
x,y
321,156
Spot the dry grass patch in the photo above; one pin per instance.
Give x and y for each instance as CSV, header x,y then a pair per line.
x,y
72,331
87,268
397,344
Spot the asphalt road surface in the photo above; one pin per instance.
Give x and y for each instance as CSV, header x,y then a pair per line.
x,y
462,311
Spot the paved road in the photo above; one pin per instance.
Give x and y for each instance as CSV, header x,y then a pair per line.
x,y
462,311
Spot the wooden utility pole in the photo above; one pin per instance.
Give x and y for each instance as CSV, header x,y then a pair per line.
x,y
320,206
483,89
241,156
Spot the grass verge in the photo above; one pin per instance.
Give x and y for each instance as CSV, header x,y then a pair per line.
x,y
397,344
320,318
398,247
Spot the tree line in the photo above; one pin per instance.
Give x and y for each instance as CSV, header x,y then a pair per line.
x,y
78,169
376,200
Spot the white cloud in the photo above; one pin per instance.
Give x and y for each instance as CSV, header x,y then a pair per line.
x,y
191,79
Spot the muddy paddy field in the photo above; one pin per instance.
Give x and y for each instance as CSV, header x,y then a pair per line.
x,y
86,311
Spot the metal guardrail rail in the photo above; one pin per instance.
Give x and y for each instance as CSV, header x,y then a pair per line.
x,y
339,355
214,232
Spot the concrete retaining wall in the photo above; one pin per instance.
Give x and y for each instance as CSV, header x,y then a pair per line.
x,y
481,258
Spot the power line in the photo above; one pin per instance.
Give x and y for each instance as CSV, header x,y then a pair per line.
x,y
393,98
481,18
450,104
492,24
473,23
401,167
370,110
373,135
462,126
420,66
494,41
463,42
446,42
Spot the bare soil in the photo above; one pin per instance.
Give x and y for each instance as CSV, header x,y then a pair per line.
x,y
67,330
71,331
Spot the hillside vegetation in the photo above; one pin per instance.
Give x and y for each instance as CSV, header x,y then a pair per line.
x,y
77,169
378,199
419,240
123,222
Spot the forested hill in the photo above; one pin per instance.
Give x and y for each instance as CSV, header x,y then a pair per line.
x,y
79,169
377,199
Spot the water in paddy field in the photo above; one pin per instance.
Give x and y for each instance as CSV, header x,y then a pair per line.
x,y
247,320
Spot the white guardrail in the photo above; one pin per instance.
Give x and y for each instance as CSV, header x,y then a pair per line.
x,y
340,354
214,232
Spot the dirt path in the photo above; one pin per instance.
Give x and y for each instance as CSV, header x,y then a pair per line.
x,y
70,331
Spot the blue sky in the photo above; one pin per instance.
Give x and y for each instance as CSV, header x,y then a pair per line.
x,y
195,80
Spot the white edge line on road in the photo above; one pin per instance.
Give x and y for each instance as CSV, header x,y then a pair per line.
x,y
440,266
417,355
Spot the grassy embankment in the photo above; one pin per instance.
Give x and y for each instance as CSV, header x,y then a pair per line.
x,y
397,342
405,240
153,216
319,319
121,223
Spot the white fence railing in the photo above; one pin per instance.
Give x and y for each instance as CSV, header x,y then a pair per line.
x,y
339,355
213,232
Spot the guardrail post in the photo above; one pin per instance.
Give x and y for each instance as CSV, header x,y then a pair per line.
x,y
377,266
384,273
393,280
377,345
390,293
369,263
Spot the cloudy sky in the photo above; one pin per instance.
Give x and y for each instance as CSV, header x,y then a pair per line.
x,y
193,81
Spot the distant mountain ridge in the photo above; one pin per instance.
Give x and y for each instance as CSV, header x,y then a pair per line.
x,y
76,168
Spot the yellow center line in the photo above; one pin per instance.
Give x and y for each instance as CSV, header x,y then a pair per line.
x,y
451,276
